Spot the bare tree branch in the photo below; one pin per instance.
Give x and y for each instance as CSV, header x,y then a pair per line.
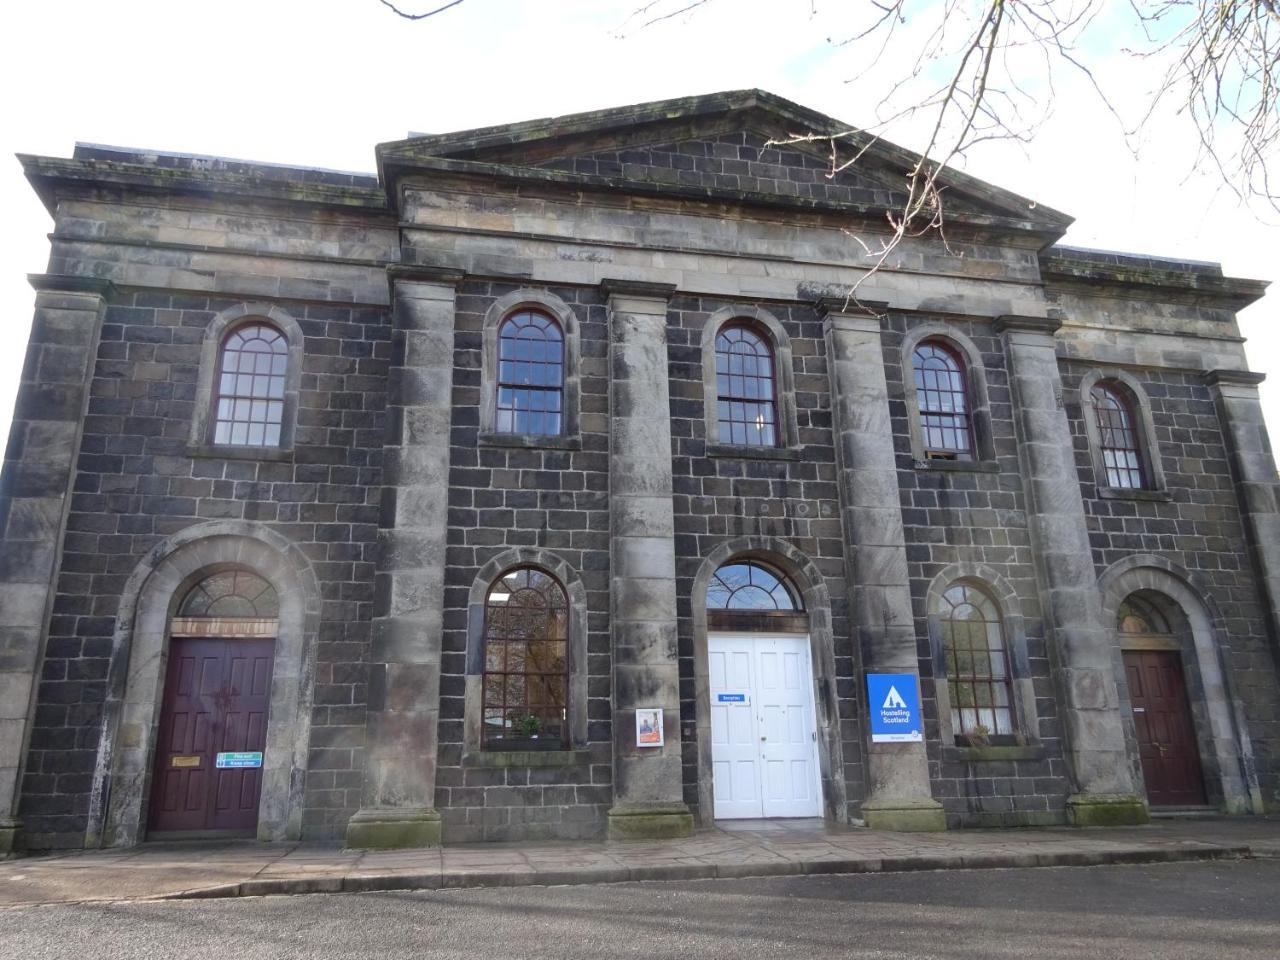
x,y
418,16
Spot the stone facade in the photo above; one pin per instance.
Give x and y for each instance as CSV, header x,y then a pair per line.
x,y
393,501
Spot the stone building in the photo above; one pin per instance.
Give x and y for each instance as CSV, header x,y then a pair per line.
x,y
550,483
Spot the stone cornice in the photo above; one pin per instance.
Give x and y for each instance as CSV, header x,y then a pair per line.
x,y
57,283
637,288
1173,280
50,176
1014,322
1234,378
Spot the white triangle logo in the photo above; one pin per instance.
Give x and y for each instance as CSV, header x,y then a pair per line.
x,y
894,700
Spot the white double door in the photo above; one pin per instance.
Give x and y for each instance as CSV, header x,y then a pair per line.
x,y
764,749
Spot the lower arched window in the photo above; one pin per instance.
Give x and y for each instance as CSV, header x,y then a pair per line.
x,y
526,670
979,679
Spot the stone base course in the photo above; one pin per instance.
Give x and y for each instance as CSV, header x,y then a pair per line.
x,y
747,849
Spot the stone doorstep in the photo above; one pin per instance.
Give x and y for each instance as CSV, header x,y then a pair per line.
x,y
505,876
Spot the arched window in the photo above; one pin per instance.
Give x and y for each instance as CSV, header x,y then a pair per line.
x,y
526,668
750,585
232,593
229,603
1139,616
746,388
1115,415
530,375
250,387
942,396
979,679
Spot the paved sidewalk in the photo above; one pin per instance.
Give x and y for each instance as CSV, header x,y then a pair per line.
x,y
743,849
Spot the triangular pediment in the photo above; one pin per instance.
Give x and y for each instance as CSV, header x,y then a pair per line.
x,y
720,146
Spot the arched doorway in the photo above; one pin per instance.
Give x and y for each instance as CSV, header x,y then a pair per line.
x,y
212,734
1159,698
764,743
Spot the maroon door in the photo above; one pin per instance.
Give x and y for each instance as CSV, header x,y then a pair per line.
x,y
1166,736
216,695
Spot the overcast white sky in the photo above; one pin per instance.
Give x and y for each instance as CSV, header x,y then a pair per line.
x,y
319,82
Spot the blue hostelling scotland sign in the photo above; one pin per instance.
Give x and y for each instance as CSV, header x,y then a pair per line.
x,y
893,700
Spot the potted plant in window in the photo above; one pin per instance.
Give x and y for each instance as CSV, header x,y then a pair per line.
x,y
525,733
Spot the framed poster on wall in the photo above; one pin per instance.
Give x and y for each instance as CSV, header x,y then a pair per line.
x,y
649,727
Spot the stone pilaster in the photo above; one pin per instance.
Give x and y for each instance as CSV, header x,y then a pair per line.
x,y
404,657
1254,468
898,797
648,792
1081,651
39,465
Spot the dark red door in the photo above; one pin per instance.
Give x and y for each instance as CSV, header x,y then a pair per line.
x,y
1166,736
216,695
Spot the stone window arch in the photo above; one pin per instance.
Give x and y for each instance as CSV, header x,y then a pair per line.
x,y
982,673
748,385
249,382
948,408
151,602
530,340
1121,432
563,603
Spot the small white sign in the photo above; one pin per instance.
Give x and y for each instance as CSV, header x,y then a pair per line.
x,y
649,727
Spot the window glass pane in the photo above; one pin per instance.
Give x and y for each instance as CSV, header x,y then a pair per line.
x,y
751,586
942,399
979,679
254,365
530,374
745,388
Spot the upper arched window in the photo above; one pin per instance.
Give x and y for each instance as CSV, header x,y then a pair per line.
x,y
748,585
526,669
231,593
1116,418
746,387
250,387
979,679
530,375
942,397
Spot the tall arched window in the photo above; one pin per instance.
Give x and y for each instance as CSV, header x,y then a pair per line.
x,y
942,396
530,375
526,668
746,388
1115,415
250,387
979,679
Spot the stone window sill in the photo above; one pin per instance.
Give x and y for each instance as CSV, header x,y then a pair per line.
x,y
957,466
994,754
527,758
1128,493
528,441
218,451
743,452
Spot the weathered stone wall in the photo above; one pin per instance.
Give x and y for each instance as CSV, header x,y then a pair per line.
x,y
135,484
724,498
1199,529
503,497
962,520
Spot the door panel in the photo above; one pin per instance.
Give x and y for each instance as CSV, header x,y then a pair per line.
x,y
216,698
1166,733
764,750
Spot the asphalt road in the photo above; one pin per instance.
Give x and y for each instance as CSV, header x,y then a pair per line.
x,y
1222,911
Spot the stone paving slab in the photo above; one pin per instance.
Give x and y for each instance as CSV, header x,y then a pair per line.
x,y
246,868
